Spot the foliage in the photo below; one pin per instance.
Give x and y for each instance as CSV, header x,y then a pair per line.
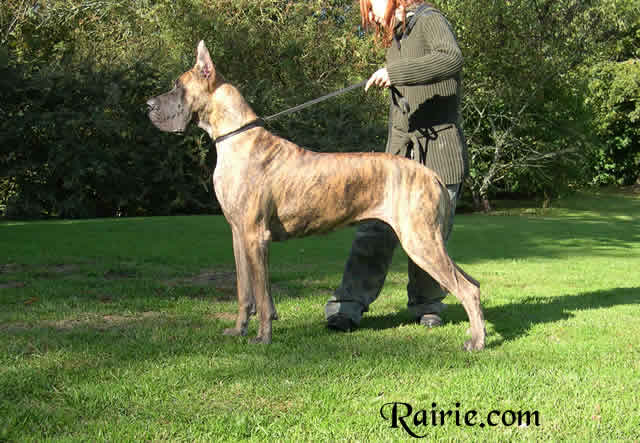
x,y
76,144
614,96
524,117
76,141
543,80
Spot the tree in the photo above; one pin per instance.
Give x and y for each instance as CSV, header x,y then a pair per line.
x,y
523,110
543,79
614,93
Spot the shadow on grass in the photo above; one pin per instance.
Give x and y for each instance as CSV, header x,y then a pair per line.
x,y
604,223
477,238
514,320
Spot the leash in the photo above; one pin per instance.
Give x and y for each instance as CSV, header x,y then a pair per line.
x,y
316,101
398,100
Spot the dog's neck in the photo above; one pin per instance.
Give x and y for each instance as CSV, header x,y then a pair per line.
x,y
226,111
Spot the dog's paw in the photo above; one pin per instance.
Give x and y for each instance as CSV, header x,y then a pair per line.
x,y
260,340
234,332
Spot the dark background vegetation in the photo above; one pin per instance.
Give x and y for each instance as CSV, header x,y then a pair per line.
x,y
551,104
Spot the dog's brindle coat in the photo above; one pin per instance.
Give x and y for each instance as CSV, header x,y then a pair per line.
x,y
271,189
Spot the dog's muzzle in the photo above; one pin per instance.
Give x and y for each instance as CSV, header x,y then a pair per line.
x,y
167,111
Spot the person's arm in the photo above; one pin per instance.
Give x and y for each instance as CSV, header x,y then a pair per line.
x,y
442,62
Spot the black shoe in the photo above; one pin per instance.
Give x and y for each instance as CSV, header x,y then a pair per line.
x,y
341,322
431,320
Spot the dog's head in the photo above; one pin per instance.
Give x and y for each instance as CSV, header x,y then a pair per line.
x,y
173,110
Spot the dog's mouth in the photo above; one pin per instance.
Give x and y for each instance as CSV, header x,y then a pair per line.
x,y
174,119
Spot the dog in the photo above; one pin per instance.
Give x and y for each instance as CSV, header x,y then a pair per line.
x,y
270,189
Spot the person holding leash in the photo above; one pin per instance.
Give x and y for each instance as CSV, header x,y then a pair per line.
x,y
423,64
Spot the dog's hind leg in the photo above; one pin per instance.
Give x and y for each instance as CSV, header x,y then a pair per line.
x,y
432,257
469,295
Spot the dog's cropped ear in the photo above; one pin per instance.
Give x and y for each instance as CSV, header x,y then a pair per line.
x,y
204,62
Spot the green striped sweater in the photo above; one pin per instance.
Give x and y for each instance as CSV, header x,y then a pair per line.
x,y
426,69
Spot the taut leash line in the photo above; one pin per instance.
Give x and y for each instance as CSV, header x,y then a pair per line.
x,y
397,98
315,101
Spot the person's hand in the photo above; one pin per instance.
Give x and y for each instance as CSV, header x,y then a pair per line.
x,y
379,78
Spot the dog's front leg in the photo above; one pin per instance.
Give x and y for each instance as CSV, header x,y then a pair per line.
x,y
258,258
246,303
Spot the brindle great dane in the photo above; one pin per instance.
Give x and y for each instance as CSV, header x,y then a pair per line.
x,y
271,189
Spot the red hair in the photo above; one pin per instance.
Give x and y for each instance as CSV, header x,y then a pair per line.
x,y
385,32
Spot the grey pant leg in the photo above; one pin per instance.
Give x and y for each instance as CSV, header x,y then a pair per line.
x,y
365,270
425,294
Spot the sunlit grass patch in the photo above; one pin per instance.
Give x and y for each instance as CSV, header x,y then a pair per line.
x,y
111,330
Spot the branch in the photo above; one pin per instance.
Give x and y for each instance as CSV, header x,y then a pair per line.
x,y
20,14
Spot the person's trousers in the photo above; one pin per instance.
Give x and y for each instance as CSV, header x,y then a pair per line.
x,y
367,267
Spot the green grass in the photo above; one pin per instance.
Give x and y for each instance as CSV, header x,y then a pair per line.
x,y
111,330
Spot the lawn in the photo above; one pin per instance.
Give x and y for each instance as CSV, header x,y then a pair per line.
x,y
110,329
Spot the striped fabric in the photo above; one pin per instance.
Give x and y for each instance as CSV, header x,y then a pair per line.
x,y
426,69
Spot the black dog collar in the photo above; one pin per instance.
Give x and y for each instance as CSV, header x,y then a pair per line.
x,y
251,124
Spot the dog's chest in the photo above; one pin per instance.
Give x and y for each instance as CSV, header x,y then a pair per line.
x,y
230,182
221,183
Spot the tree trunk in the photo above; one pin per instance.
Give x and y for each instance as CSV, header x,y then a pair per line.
x,y
546,203
481,202
486,205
